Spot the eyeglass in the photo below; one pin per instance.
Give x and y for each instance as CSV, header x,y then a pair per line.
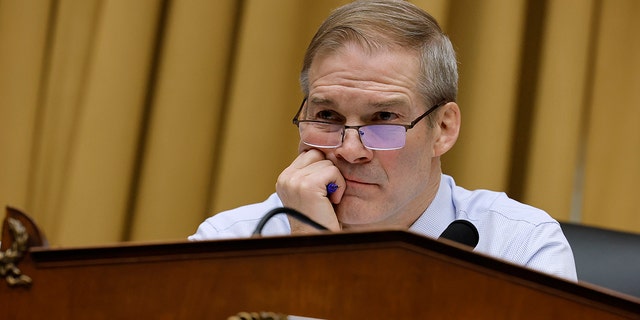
x,y
386,136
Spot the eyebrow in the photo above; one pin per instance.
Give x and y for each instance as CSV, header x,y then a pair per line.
x,y
390,103
322,101
378,104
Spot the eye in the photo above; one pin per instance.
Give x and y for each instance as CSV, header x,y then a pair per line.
x,y
328,115
385,116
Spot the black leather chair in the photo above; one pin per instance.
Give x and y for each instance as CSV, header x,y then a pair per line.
x,y
606,258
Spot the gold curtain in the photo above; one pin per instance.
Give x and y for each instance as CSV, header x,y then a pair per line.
x,y
135,120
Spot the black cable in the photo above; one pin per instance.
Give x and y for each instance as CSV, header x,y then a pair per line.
x,y
290,212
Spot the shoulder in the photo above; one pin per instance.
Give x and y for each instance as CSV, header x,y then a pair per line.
x,y
242,221
497,215
482,204
515,231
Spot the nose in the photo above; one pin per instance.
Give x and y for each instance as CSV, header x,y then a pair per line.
x,y
352,150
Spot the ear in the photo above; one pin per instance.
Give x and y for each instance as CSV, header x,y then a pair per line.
x,y
448,125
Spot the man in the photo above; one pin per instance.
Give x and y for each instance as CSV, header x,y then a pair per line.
x,y
380,81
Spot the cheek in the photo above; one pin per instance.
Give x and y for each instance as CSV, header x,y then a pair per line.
x,y
411,162
302,147
421,144
401,165
398,167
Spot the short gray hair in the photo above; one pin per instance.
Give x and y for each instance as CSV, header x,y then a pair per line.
x,y
375,24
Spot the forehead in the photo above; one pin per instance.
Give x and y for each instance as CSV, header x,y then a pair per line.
x,y
351,70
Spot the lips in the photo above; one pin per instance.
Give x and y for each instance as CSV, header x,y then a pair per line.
x,y
356,183
359,176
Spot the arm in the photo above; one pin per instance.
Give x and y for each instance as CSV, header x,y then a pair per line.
x,y
550,251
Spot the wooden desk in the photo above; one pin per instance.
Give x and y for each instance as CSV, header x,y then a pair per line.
x,y
373,275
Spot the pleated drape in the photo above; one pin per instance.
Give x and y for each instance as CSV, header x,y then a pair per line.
x,y
135,120
612,156
185,120
552,178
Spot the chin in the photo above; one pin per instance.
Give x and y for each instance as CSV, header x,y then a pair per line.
x,y
358,213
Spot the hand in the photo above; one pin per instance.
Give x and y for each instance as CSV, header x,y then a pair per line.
x,y
303,186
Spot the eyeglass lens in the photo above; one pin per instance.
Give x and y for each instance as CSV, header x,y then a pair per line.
x,y
377,137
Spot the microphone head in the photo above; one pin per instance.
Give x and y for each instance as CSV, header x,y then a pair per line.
x,y
462,231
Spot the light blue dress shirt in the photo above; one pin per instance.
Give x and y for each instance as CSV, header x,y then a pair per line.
x,y
509,230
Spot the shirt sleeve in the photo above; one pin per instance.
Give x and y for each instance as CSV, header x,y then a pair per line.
x,y
241,222
549,251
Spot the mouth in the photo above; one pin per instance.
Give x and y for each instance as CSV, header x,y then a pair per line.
x,y
360,178
353,183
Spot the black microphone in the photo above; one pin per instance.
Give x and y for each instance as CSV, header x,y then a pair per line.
x,y
461,231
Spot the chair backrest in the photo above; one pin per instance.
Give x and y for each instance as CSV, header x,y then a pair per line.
x,y
604,257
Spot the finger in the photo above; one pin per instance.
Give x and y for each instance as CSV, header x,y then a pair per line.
x,y
336,196
307,157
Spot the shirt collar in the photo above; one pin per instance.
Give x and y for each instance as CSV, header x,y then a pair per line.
x,y
440,213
